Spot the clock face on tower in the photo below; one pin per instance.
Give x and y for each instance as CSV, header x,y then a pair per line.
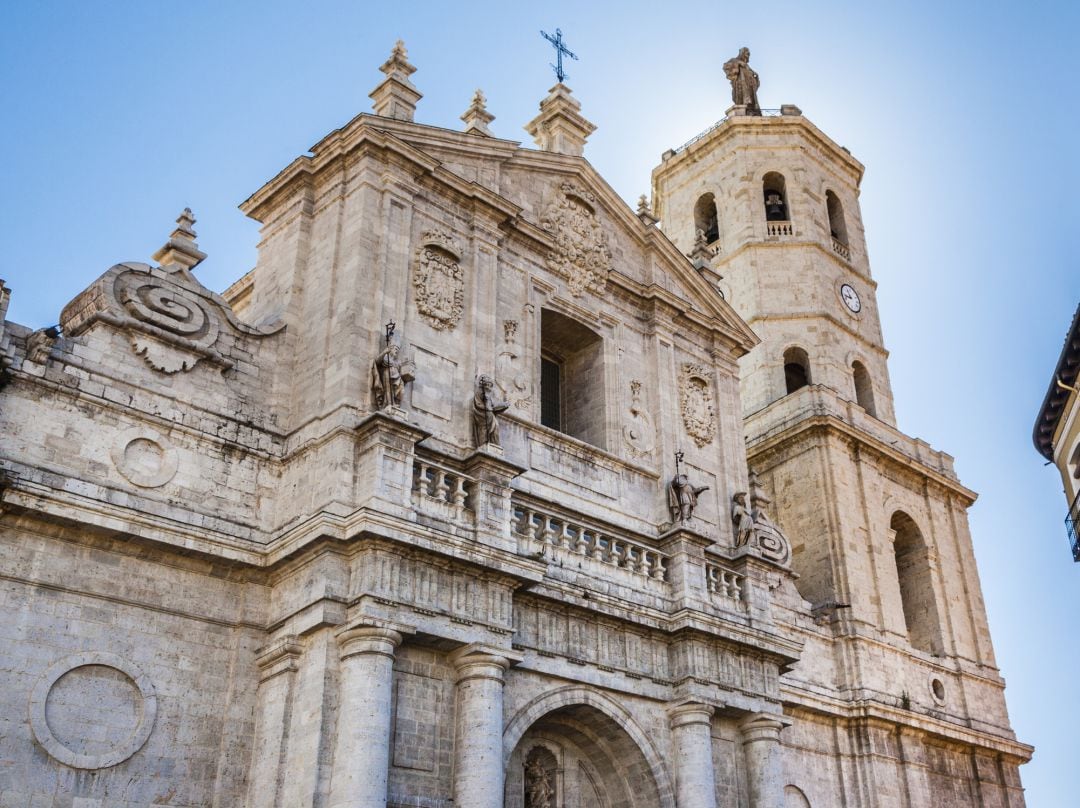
x,y
850,298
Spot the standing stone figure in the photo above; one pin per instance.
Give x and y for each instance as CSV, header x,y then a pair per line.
x,y
389,376
485,411
743,520
683,497
744,82
538,789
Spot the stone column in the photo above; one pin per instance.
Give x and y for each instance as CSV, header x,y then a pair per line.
x,y
478,744
691,732
362,751
277,671
764,765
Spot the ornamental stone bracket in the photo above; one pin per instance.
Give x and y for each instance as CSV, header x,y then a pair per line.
x,y
172,321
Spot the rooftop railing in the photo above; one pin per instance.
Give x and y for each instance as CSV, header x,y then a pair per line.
x,y
765,113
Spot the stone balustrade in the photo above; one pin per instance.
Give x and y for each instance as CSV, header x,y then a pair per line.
x,y
442,491
841,249
724,583
541,532
779,228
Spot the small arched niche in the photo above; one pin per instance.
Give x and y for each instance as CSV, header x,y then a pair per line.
x,y
837,223
915,579
706,218
795,798
796,369
864,387
774,190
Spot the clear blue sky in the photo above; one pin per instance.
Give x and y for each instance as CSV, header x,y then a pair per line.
x,y
118,114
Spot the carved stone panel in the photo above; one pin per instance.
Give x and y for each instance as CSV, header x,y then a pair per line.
x,y
438,280
581,253
696,403
638,430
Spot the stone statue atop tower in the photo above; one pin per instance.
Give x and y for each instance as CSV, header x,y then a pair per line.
x,y
744,82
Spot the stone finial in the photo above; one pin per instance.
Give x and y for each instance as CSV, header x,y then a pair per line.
x,y
396,96
701,254
181,251
644,211
560,126
477,117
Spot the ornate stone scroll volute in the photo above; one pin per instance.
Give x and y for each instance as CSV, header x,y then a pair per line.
x,y
638,431
755,529
438,280
696,403
581,253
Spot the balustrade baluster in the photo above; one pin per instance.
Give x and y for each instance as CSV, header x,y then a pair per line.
x,y
460,493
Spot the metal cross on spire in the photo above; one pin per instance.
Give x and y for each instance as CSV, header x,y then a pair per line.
x,y
560,51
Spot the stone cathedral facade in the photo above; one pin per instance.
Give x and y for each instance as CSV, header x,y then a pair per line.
x,y
483,489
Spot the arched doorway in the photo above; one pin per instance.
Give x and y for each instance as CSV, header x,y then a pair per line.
x,y
580,756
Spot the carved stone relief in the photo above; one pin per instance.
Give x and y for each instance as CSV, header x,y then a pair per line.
x,y
177,328
696,404
581,253
638,431
438,280
511,374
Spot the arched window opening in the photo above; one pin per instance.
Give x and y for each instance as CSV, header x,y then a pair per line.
x,y
706,219
837,224
775,192
796,369
572,378
916,584
864,388
1074,462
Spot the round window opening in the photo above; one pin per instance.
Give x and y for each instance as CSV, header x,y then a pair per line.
x,y
937,687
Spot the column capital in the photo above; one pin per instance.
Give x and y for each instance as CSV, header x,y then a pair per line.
x,y
279,656
763,727
353,640
479,661
690,712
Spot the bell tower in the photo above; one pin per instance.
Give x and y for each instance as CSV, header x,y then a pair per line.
x,y
767,207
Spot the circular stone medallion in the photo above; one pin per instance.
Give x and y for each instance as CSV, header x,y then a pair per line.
x,y
92,710
144,457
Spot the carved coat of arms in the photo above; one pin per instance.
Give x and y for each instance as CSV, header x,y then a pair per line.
x,y
438,280
696,404
581,253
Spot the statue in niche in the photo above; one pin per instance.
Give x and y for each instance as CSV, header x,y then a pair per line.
x,y
389,375
744,82
485,412
743,521
539,792
682,495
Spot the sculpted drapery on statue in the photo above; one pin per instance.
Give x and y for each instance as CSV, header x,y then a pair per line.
x,y
744,82
389,374
485,411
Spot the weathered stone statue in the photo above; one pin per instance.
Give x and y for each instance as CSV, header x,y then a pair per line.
x,y
389,375
538,790
683,497
744,82
743,520
485,411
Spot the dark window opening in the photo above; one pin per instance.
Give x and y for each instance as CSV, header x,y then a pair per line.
x,y
796,369
706,219
774,189
550,393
